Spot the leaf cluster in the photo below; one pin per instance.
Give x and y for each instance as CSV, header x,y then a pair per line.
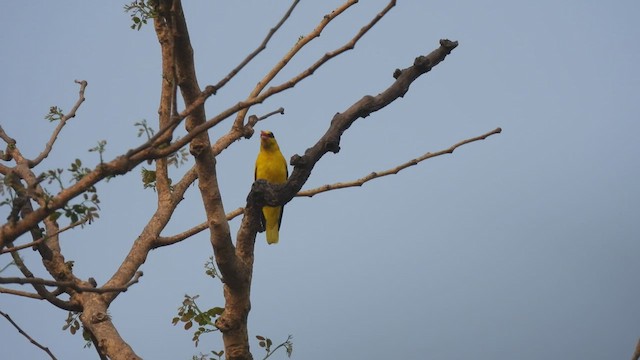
x,y
73,324
84,211
266,343
55,114
189,313
141,11
217,354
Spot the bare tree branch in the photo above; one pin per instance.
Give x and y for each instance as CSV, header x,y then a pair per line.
x,y
165,241
69,284
23,333
62,122
395,170
262,46
40,240
20,293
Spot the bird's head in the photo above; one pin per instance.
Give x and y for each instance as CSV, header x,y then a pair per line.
x,y
267,140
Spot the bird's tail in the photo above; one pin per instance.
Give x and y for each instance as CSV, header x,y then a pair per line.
x,y
272,235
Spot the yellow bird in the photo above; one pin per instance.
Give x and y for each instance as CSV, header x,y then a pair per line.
x,y
272,167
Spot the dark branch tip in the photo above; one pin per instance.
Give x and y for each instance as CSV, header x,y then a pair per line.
x,y
397,73
297,160
448,44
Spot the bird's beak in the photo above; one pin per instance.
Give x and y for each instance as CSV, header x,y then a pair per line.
x,y
263,135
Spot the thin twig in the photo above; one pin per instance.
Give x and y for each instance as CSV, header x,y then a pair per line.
x,y
69,284
165,241
395,170
71,114
262,46
38,241
23,333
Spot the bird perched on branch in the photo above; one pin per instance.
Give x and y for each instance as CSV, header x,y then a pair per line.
x,y
272,167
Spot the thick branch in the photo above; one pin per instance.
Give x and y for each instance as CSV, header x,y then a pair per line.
x,y
20,293
263,193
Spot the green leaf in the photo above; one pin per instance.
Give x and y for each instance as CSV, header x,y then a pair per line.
x,y
213,312
54,216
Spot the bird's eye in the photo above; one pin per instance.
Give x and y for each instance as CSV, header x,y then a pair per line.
x,y
271,135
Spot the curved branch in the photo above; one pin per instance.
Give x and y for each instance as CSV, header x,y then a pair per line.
x,y
23,333
395,170
54,136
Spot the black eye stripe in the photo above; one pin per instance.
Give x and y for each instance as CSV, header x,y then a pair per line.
x,y
271,135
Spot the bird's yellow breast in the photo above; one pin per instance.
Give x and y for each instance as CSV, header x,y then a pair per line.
x,y
271,166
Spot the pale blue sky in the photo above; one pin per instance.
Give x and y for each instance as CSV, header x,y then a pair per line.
x,y
522,246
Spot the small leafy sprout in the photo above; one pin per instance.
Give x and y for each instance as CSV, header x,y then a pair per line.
x,y
5,188
210,268
141,11
55,114
189,313
81,213
178,158
149,178
202,356
144,128
266,343
53,175
100,149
